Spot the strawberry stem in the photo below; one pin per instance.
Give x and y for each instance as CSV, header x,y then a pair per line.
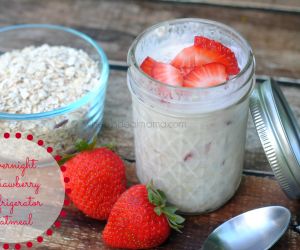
x,y
159,200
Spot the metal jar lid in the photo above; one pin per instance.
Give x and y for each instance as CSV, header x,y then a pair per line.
x,y
279,134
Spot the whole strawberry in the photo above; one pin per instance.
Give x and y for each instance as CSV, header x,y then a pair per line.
x,y
140,219
96,179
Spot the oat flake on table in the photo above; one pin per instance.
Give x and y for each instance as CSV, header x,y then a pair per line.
x,y
39,79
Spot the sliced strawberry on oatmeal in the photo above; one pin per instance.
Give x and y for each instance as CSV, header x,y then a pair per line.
x,y
206,51
147,65
162,72
206,63
168,74
218,53
208,75
185,71
191,57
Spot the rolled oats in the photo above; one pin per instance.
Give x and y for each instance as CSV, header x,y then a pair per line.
x,y
45,78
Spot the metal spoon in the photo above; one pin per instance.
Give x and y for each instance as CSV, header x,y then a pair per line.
x,y
257,229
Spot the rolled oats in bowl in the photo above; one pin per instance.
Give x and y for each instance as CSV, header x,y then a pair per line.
x,y
54,91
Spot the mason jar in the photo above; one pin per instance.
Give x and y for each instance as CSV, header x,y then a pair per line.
x,y
190,141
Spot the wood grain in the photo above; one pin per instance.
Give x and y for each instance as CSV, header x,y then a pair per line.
x,y
292,6
274,36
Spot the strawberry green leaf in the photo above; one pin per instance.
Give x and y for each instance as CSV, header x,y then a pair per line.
x,y
158,211
83,145
179,219
150,196
65,158
159,200
171,209
162,196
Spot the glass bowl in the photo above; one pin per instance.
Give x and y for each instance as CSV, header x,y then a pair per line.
x,y
62,127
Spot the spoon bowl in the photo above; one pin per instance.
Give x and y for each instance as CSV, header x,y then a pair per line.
x,y
258,229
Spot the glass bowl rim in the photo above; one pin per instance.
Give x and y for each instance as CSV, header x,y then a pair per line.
x,y
131,61
81,101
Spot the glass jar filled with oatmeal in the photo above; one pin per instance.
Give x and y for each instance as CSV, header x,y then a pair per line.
x,y
190,81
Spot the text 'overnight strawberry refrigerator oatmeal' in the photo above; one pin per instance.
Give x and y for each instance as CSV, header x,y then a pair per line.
x,y
190,81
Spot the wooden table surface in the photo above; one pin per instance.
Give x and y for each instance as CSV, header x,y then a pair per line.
x,y
273,29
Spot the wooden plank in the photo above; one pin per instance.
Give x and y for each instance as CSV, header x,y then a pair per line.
x,y
291,6
274,36
80,232
118,128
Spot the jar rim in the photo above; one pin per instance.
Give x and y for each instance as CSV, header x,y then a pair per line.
x,y
131,59
73,105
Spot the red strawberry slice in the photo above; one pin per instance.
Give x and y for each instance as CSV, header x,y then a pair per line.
x,y
162,72
147,65
190,57
185,71
166,73
211,74
218,53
